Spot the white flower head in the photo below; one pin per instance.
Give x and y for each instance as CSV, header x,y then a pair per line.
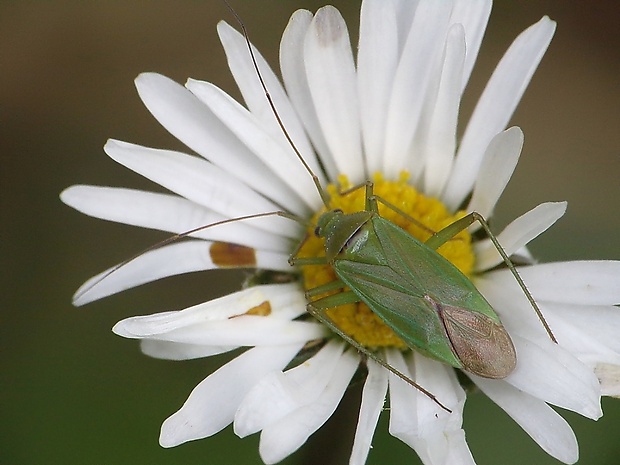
x,y
389,116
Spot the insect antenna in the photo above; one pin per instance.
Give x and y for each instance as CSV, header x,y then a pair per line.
x,y
315,178
178,237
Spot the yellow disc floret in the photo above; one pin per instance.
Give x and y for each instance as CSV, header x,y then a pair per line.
x,y
429,216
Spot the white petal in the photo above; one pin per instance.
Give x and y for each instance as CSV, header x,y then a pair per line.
x,y
281,439
192,123
537,419
583,340
456,449
196,180
500,160
435,434
518,233
609,377
246,330
405,12
376,63
496,105
296,82
576,282
551,373
167,350
413,413
279,394
333,85
212,404
474,17
286,302
169,213
439,140
373,398
170,260
412,78
242,68
279,158
602,322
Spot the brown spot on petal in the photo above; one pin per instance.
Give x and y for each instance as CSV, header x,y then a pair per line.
x,y
227,255
263,309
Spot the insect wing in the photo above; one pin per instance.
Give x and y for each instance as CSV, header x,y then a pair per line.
x,y
481,344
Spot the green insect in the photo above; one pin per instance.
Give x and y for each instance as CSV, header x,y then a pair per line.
x,y
431,305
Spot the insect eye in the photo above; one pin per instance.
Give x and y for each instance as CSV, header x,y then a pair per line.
x,y
325,220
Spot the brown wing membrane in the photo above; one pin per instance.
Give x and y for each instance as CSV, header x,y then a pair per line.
x,y
482,345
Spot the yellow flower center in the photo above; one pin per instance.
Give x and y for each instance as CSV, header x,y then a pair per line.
x,y
357,320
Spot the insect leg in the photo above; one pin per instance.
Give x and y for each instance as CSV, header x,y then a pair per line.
x,y
295,260
325,288
371,199
450,231
354,188
402,213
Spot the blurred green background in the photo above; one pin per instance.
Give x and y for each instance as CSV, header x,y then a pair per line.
x,y
71,391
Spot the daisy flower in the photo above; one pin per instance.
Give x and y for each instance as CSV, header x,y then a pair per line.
x,y
389,116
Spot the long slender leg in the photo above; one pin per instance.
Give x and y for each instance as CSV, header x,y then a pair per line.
x,y
323,289
354,188
441,237
370,198
402,213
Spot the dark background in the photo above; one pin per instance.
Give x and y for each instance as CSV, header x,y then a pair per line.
x,y
71,391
